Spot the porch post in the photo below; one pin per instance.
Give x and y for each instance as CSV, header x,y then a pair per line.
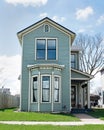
x,y
88,91
81,93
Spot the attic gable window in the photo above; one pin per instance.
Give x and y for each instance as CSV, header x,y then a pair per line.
x,y
46,49
46,28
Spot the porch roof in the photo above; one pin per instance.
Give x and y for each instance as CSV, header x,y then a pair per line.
x,y
80,75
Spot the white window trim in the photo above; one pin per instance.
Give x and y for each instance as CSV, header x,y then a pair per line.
x,y
32,88
59,88
46,49
50,87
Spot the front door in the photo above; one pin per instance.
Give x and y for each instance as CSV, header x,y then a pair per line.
x,y
73,96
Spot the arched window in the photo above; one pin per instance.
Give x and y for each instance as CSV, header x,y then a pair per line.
x,y
46,28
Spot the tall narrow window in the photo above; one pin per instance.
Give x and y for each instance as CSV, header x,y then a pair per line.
x,y
45,88
56,89
35,85
51,49
41,47
73,63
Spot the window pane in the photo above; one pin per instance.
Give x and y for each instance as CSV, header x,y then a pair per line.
x,y
34,95
35,85
41,54
56,89
56,83
45,88
51,44
46,81
56,96
51,55
51,49
41,44
45,96
35,82
73,60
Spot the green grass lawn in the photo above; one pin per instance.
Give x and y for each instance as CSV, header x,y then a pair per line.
x,y
50,127
10,115
98,113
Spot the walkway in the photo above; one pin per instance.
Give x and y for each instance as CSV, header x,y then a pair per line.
x,y
85,119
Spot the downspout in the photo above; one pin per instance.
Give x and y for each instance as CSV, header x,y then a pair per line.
x,y
52,91
29,90
39,89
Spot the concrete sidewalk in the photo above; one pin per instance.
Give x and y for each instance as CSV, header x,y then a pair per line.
x,y
85,119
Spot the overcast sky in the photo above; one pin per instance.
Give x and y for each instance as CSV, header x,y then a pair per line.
x,y
80,16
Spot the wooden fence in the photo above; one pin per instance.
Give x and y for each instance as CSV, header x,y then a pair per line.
x,y
9,101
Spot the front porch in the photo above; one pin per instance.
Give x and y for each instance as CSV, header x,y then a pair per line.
x,y
80,94
80,90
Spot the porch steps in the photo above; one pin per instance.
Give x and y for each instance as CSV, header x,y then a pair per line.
x,y
80,110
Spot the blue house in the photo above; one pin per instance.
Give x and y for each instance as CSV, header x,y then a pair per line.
x,y
50,77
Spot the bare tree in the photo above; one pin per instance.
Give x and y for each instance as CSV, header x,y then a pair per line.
x,y
92,55
98,91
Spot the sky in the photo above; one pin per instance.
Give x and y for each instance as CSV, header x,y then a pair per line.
x,y
80,16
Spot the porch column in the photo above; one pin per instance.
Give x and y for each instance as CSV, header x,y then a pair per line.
x,y
81,95
88,93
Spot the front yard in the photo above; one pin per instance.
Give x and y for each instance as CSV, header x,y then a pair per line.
x,y
11,115
50,127
98,113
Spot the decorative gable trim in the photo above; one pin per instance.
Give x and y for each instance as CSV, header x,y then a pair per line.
x,y
46,66
45,21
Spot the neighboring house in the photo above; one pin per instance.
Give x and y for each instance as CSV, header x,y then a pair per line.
x,y
48,83
94,99
102,83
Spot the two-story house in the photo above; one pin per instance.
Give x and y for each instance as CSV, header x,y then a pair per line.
x,y
48,83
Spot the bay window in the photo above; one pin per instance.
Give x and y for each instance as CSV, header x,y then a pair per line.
x,y
41,89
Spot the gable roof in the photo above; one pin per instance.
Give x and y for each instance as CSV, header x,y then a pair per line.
x,y
76,48
80,75
21,33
